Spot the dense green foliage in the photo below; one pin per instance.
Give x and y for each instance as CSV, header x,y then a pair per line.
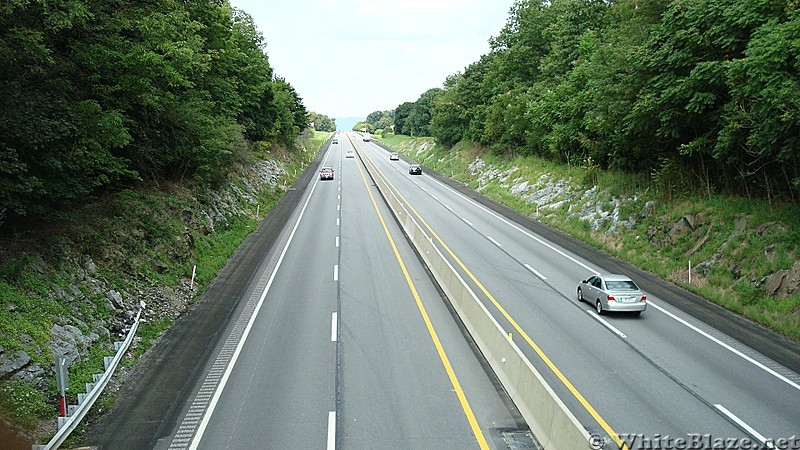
x,y
414,118
321,122
98,94
740,243
699,93
379,122
147,238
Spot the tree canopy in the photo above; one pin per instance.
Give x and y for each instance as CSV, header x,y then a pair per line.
x,y
707,90
321,122
376,122
98,94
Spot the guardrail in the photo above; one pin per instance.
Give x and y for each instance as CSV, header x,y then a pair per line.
x,y
75,413
554,426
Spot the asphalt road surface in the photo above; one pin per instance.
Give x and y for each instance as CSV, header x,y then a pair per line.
x,y
341,340
665,373
326,331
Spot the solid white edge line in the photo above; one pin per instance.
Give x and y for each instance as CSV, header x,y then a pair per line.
x,y
728,347
605,323
513,225
335,272
334,326
535,272
525,232
493,241
744,425
224,380
332,430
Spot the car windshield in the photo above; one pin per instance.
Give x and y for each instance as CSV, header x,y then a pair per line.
x,y
621,285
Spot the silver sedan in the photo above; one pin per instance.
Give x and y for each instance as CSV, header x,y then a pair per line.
x,y
611,292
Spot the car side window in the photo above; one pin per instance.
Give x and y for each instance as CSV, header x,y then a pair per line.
x,y
597,282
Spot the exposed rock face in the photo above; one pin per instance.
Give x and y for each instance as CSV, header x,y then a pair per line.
x,y
69,341
72,336
606,215
12,362
783,282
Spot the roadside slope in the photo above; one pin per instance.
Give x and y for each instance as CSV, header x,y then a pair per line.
x,y
613,223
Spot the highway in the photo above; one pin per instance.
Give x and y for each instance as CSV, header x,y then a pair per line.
x,y
327,331
343,341
662,374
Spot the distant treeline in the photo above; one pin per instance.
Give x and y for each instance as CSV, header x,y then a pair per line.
x,y
95,95
321,122
703,93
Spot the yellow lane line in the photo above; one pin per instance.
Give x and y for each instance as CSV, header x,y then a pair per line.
x,y
581,399
476,430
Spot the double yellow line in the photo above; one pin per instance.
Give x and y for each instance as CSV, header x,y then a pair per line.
x,y
572,389
473,423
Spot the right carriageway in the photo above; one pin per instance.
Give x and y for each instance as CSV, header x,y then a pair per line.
x,y
664,373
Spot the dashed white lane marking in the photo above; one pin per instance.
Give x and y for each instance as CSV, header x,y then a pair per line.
x,y
493,241
337,241
606,324
535,272
744,425
467,222
334,326
332,430
336,272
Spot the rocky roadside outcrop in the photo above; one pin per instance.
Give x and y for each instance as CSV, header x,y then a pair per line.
x,y
100,311
603,213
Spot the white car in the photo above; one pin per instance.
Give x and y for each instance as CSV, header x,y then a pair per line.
x,y
350,154
394,156
612,292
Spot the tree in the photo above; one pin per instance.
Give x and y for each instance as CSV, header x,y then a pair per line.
x,y
401,125
95,95
321,122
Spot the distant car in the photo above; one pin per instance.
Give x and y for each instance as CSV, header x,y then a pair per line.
x,y
335,141
326,173
612,292
394,156
415,169
349,154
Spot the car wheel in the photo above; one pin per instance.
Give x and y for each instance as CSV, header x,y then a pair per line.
x,y
580,295
599,307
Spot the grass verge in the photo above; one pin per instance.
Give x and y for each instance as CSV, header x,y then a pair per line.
x,y
735,244
141,238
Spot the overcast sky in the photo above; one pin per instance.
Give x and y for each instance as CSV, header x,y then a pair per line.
x,y
348,58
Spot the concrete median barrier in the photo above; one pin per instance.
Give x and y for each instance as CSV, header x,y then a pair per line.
x,y
554,426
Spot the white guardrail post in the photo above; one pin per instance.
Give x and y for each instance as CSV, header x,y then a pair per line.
x,y
75,413
554,426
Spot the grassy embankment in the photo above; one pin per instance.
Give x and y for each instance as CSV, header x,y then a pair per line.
x,y
770,242
132,236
